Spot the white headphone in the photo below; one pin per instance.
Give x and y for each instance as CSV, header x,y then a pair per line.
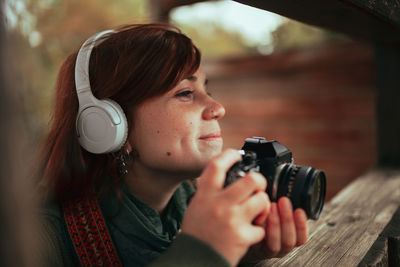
x,y
101,125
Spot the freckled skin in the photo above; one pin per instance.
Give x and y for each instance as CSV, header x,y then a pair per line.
x,y
175,122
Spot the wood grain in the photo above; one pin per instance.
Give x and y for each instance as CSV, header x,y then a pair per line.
x,y
385,251
350,224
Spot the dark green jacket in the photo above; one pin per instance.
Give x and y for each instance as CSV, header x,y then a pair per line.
x,y
140,234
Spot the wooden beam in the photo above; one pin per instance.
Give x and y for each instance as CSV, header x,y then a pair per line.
x,y
386,249
377,21
388,104
169,4
350,224
372,20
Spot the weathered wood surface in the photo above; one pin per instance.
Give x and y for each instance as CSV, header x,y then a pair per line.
x,y
351,223
373,20
386,249
386,10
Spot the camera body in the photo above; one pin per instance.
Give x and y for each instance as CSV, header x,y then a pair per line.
x,y
305,186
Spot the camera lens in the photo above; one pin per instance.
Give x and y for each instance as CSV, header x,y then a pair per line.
x,y
317,194
304,185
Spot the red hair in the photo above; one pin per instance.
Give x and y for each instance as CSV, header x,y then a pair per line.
x,y
134,64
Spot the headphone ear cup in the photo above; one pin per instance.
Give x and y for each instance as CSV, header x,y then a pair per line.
x,y
102,127
122,133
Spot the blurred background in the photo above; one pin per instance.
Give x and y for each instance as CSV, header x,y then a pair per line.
x,y
310,89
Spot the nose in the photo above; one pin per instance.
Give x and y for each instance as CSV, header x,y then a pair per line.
x,y
214,111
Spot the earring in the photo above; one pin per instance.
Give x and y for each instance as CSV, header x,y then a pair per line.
x,y
122,160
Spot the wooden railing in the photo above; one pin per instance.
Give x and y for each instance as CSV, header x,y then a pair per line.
x,y
360,226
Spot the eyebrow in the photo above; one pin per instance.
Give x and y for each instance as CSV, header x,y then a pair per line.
x,y
194,78
191,78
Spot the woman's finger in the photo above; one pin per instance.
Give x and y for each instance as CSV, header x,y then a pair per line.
x,y
244,187
262,217
300,221
273,232
257,204
213,176
253,234
288,229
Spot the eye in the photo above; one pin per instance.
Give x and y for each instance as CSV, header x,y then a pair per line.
x,y
186,94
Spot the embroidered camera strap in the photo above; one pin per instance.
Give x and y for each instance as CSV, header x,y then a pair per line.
x,y
88,231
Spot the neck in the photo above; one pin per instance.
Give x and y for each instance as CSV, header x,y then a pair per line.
x,y
152,187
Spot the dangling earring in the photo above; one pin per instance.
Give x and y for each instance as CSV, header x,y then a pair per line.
x,y
122,160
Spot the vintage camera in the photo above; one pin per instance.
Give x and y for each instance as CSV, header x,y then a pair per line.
x,y
304,185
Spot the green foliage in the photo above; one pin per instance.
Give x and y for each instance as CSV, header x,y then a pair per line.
x,y
214,41
295,35
58,28
46,31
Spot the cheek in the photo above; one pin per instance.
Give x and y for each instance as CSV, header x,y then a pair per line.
x,y
165,149
175,134
162,134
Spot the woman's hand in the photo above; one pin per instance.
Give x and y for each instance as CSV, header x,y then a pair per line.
x,y
284,229
223,217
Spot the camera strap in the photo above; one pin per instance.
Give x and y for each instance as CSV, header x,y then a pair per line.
x,y
89,233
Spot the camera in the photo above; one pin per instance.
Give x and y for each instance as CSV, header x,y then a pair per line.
x,y
305,186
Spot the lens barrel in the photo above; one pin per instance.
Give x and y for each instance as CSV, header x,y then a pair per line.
x,y
304,185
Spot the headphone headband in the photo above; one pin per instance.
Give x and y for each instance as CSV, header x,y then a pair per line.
x,y
82,61
101,125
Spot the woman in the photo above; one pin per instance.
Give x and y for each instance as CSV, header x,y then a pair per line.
x,y
139,188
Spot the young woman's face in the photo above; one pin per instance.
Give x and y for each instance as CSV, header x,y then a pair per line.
x,y
179,130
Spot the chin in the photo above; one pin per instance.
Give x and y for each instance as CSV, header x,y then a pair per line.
x,y
206,157
211,149
197,168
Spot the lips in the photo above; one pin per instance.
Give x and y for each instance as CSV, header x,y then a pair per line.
x,y
211,137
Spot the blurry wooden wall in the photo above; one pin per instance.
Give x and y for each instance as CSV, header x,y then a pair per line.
x,y
319,102
17,206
